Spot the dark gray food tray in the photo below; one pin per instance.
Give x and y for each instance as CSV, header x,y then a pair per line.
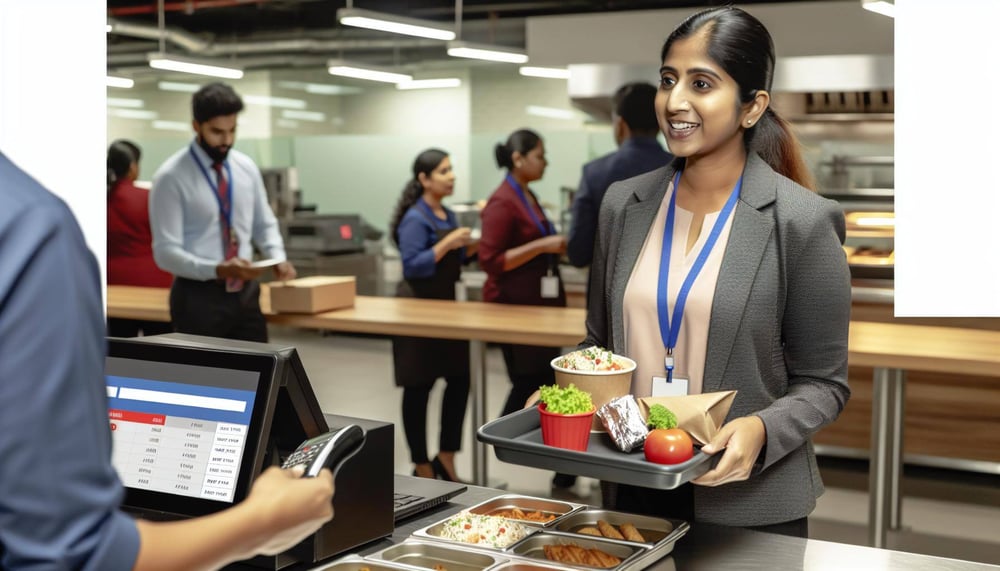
x,y
517,439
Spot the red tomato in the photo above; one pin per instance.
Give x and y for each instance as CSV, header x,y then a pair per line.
x,y
668,446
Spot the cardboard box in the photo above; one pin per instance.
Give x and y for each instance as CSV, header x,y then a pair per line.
x,y
314,294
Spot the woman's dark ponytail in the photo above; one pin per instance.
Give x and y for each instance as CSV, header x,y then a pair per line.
x,y
425,164
504,156
772,138
121,155
411,194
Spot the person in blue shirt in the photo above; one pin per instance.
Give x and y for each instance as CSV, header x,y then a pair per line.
x,y
433,248
635,131
208,209
59,493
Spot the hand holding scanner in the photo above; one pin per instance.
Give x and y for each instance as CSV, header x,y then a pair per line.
x,y
329,450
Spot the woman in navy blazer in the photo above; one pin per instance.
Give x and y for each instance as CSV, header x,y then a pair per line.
x,y
779,312
519,251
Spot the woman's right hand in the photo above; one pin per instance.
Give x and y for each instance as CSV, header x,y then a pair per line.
x,y
555,244
458,238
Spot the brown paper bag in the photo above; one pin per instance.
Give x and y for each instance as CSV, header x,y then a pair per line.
x,y
700,415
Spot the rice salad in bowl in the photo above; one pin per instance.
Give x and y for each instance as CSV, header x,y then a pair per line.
x,y
594,360
486,530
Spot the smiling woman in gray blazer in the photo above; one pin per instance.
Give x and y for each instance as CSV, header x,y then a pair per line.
x,y
768,313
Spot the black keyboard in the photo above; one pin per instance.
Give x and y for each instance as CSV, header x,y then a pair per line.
x,y
400,500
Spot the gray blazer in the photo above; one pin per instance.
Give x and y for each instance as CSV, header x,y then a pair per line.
x,y
778,331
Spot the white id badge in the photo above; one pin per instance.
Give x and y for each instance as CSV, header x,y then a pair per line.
x,y
461,292
677,387
550,287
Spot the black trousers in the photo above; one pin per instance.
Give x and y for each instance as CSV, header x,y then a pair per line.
x,y
679,504
206,308
528,369
118,327
453,405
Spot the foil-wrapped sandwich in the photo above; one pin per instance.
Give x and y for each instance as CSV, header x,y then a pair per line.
x,y
624,423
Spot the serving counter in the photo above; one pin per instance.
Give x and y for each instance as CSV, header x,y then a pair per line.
x,y
708,547
889,348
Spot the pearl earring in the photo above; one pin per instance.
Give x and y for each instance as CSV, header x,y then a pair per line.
x,y
749,122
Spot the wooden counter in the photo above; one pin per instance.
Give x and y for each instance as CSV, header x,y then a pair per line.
x,y
888,348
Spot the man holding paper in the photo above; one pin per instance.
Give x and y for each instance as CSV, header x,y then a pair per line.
x,y
208,209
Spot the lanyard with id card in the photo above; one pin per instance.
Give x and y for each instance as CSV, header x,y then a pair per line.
x,y
670,327
550,282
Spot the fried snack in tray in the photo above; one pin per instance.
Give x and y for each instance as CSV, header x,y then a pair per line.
x,y
572,553
631,533
518,513
625,531
608,530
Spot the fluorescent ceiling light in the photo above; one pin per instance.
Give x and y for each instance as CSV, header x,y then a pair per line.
x,y
133,113
430,83
123,102
320,88
178,86
546,72
315,116
186,65
364,71
395,24
172,125
884,7
550,112
486,52
288,123
268,101
123,82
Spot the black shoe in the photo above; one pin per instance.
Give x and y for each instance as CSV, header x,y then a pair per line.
x,y
563,480
440,471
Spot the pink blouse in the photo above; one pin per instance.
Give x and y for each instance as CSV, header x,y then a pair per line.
x,y
643,342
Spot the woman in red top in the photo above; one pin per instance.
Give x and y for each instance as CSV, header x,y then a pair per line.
x,y
519,251
130,243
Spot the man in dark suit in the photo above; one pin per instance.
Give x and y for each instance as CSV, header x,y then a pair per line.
x,y
635,128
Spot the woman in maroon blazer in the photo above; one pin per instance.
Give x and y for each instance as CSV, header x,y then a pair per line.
x,y
519,251
130,242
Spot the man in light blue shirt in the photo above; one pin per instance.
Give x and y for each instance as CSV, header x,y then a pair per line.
x,y
208,209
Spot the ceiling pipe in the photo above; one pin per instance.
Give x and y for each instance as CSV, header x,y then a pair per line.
x,y
187,6
198,46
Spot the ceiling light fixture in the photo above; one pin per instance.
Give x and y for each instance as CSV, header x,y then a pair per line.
x,y
884,7
551,112
486,52
364,71
171,125
124,102
438,83
395,24
188,65
315,116
178,86
268,101
546,72
122,82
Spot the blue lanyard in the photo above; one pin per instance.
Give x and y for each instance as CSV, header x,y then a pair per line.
x,y
435,221
227,213
670,328
546,228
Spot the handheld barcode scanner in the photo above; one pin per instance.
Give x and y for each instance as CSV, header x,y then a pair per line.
x,y
329,450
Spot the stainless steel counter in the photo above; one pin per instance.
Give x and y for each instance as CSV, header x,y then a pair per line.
x,y
716,548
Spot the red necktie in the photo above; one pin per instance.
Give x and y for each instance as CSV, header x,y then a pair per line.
x,y
230,244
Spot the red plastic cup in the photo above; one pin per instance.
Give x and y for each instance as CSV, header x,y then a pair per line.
x,y
570,431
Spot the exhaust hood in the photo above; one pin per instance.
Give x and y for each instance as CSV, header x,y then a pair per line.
x,y
824,84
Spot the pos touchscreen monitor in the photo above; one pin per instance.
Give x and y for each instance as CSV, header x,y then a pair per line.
x,y
195,419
